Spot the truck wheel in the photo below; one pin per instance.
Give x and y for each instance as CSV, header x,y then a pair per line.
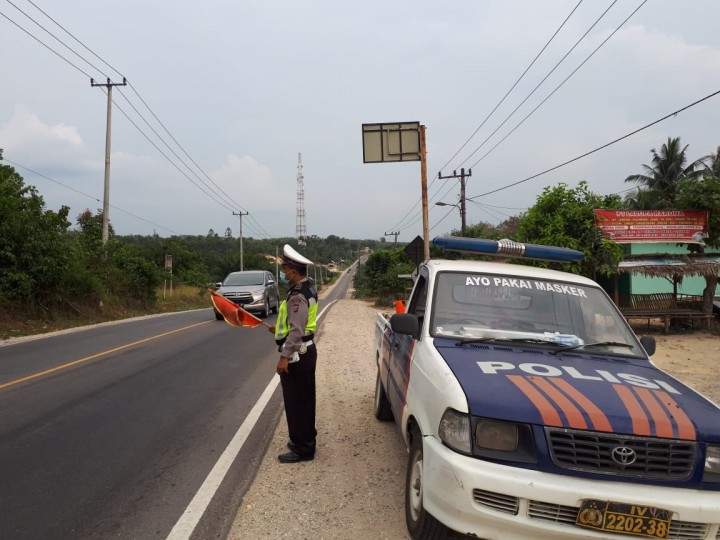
x,y
420,523
381,404
218,315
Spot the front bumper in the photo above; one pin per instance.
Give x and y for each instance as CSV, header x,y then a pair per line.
x,y
494,501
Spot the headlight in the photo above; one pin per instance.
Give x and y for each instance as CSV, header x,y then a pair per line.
x,y
258,294
492,435
712,464
454,431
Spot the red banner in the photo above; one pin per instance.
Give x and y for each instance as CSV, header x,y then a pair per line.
x,y
644,226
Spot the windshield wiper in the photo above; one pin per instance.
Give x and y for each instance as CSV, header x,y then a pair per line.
x,y
501,339
598,344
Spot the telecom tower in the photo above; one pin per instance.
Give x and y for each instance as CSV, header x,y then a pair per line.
x,y
300,230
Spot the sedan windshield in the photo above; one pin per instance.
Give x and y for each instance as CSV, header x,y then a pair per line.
x,y
560,315
244,278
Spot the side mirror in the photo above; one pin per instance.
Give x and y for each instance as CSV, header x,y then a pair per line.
x,y
271,282
218,284
405,323
648,343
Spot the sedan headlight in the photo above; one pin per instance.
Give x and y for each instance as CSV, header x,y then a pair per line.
x,y
257,295
454,431
712,464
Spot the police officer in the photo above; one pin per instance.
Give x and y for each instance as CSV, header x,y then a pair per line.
x,y
294,333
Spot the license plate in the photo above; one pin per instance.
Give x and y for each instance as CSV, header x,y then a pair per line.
x,y
621,518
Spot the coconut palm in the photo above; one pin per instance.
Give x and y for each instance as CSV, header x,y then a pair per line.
x,y
668,168
711,165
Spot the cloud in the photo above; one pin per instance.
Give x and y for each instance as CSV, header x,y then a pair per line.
x,y
25,137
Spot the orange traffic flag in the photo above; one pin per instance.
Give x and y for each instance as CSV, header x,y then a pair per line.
x,y
233,314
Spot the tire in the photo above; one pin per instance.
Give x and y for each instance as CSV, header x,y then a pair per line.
x,y
381,404
265,313
218,315
420,523
276,306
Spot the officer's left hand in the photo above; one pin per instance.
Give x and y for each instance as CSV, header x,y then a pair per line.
x,y
271,329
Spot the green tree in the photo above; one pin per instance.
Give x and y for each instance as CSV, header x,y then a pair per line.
x,y
669,166
711,164
378,276
563,217
34,245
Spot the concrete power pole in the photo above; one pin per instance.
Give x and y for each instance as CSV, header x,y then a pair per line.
x,y
395,234
108,127
241,214
462,177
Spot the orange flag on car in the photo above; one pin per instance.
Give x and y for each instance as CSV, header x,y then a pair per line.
x,y
233,314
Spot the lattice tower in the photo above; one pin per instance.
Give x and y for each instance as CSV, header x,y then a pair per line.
x,y
300,230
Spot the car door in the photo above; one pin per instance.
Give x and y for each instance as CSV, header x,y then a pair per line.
x,y
401,348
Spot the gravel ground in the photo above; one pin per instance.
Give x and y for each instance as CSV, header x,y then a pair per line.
x,y
354,489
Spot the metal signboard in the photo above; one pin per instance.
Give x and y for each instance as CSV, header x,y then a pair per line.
x,y
391,142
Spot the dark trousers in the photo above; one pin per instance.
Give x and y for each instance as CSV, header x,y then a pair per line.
x,y
298,387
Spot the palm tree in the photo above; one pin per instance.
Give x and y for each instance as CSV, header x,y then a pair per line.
x,y
668,168
711,165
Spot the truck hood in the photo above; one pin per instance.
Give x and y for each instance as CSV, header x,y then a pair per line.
x,y
579,391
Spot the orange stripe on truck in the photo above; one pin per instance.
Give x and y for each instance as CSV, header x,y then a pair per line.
x,y
663,425
686,429
571,412
549,414
640,422
599,421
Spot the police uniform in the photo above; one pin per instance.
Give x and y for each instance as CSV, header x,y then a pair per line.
x,y
294,334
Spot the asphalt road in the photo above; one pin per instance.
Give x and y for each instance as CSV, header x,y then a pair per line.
x,y
110,431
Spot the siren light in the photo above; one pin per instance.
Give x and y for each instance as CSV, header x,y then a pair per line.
x,y
508,248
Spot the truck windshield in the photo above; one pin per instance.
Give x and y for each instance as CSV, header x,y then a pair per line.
x,y
538,311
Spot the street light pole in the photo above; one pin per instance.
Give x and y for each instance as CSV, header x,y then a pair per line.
x,y
462,224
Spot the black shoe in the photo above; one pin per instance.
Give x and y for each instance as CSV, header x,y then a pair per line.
x,y
292,447
293,457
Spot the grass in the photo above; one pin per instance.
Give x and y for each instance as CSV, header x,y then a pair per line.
x,y
18,322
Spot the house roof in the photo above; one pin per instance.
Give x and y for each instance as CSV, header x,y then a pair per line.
x,y
671,265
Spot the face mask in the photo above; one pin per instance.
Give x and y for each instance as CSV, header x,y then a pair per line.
x,y
283,278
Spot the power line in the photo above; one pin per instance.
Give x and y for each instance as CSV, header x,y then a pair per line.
x,y
15,164
213,195
513,86
401,224
675,113
542,81
560,85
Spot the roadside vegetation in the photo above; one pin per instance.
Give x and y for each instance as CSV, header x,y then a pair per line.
x,y
56,274
563,216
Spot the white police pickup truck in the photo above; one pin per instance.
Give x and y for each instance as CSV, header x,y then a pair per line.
x,y
531,410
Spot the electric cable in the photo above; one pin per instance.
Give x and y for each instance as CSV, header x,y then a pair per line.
x,y
87,195
675,113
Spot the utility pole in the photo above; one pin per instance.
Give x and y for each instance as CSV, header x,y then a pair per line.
x,y
106,196
462,177
241,214
395,234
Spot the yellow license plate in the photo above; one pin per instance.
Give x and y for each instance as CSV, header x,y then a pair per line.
x,y
621,518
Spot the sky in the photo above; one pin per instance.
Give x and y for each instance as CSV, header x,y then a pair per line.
x,y
223,96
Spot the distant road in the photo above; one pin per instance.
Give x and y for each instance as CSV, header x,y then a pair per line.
x,y
110,431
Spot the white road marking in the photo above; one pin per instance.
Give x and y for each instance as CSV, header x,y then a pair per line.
x,y
185,526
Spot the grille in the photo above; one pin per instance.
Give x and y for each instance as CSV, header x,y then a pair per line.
x,y
239,298
496,501
679,530
644,457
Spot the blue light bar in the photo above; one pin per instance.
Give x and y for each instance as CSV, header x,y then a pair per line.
x,y
508,248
